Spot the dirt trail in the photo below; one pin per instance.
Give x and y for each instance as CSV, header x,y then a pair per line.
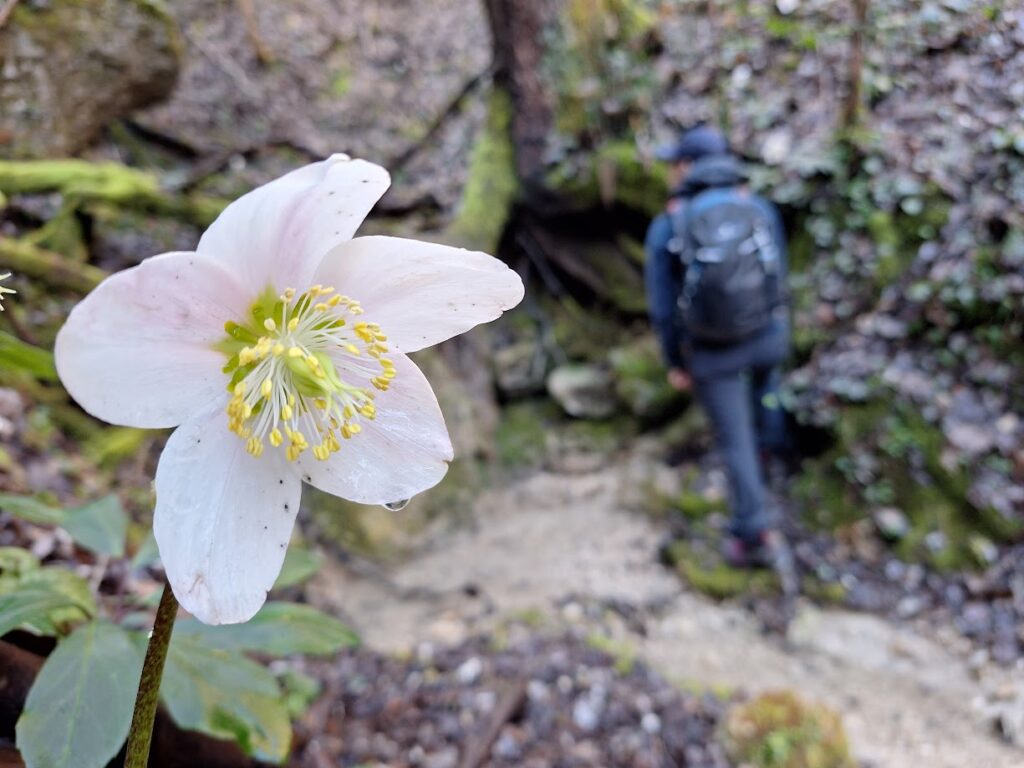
x,y
552,543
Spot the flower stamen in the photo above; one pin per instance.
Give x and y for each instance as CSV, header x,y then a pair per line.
x,y
292,370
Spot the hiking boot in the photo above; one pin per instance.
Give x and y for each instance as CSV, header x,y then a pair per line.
x,y
763,552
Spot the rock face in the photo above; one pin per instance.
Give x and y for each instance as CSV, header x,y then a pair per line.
x,y
64,75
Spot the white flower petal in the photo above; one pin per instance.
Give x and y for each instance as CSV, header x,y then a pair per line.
x,y
138,350
223,519
421,293
402,452
277,234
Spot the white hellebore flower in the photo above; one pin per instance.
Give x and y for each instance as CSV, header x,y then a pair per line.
x,y
278,348
3,290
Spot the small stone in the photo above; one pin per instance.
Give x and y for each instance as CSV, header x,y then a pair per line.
x,y
469,671
651,723
586,715
891,523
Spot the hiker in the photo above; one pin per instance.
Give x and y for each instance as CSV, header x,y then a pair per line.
x,y
715,274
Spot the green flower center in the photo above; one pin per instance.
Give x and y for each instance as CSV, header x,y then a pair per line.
x,y
287,369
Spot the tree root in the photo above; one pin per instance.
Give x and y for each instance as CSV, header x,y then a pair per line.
x,y
82,182
49,267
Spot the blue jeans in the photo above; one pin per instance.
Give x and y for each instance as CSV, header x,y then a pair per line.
x,y
738,388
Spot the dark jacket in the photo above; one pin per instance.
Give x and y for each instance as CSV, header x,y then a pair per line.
x,y
663,271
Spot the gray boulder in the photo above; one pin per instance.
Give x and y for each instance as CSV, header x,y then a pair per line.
x,y
69,68
583,391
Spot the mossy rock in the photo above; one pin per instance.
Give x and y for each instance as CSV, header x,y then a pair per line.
x,y
640,381
67,74
781,730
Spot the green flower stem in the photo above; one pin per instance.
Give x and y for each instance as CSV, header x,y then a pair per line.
x,y
141,733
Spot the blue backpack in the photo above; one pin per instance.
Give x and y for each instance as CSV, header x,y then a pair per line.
x,y
733,281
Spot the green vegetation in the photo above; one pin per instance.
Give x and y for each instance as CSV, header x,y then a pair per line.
x,y
887,455
780,730
707,573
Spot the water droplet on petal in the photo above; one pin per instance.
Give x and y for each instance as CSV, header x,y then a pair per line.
x,y
394,506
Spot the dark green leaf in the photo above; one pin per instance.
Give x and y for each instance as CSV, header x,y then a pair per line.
x,y
31,509
64,582
79,710
299,565
19,356
100,527
32,606
15,561
300,690
225,695
279,629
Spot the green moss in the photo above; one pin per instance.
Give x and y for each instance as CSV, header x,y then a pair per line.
x,y
623,654
614,174
829,592
898,235
909,473
341,82
706,573
694,506
581,333
600,44
641,384
780,730
521,434
492,185
81,181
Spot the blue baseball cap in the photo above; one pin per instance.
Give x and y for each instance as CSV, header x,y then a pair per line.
x,y
694,144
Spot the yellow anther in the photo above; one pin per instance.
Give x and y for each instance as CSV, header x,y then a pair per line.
x,y
267,387
320,307
369,410
355,429
291,400
312,362
254,446
275,437
278,349
270,325
315,289
327,289
320,403
352,348
295,352
334,300
293,324
240,389
286,412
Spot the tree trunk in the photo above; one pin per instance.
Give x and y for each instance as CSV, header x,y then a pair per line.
x,y
517,28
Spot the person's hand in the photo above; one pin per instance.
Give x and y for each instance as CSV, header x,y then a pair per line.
x,y
680,379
